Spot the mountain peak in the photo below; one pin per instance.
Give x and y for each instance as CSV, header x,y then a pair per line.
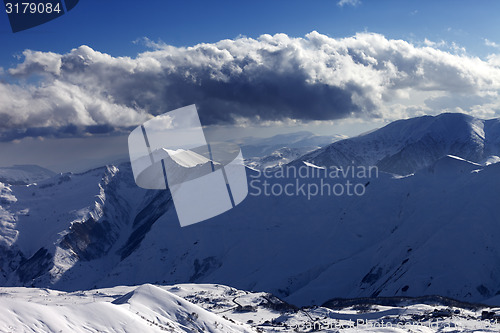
x,y
405,146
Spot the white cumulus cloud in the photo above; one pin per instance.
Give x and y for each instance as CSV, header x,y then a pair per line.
x,y
267,79
342,3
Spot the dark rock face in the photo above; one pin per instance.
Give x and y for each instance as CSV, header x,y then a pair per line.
x,y
35,266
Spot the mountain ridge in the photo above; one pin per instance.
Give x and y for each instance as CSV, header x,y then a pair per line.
x,y
405,146
98,229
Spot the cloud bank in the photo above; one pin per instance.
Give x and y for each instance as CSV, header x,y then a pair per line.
x,y
271,78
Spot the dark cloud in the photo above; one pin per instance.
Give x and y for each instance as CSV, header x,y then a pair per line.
x,y
269,96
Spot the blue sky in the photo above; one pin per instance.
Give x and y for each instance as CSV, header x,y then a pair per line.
x,y
370,62
111,26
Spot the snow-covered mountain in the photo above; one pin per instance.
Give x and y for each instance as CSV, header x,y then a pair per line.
x,y
24,174
432,233
405,146
200,308
145,308
278,150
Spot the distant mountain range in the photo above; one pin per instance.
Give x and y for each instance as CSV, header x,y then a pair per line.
x,y
278,150
434,232
261,147
24,174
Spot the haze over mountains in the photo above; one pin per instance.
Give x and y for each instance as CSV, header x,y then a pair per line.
x,y
433,232
278,150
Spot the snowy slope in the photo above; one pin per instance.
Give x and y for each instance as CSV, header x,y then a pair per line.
x,y
217,308
405,146
145,308
51,225
434,232
24,174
